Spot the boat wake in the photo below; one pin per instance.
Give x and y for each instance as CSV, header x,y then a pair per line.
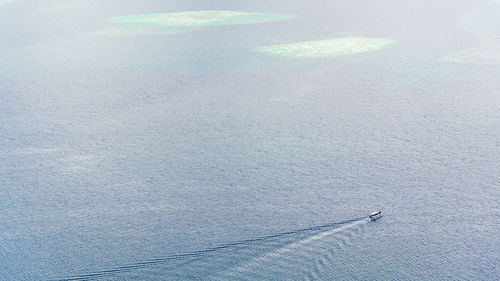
x,y
291,254
229,258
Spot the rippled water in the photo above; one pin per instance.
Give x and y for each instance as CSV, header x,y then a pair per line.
x,y
248,140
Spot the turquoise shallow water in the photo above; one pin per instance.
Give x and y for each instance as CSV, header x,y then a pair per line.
x,y
181,152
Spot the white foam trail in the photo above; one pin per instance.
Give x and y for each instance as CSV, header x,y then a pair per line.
x,y
290,247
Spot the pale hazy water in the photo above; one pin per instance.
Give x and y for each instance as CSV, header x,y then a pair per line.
x,y
160,153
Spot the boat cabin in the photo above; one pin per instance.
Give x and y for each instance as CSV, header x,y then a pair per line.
x,y
375,215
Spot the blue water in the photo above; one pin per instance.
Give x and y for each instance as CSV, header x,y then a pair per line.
x,y
189,156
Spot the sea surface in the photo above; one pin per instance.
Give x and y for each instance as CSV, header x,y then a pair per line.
x,y
249,140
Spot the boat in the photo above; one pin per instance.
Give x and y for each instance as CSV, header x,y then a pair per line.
x,y
376,215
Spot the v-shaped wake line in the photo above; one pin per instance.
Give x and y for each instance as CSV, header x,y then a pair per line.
x,y
297,244
201,253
